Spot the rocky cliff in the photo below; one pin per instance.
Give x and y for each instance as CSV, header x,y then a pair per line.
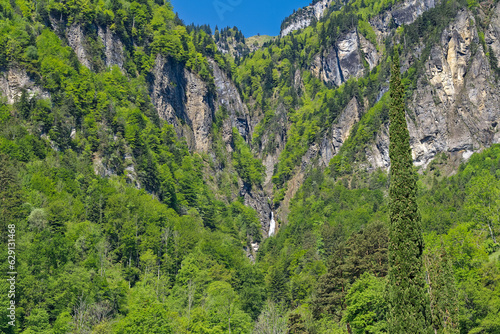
x,y
343,60
304,17
14,81
455,107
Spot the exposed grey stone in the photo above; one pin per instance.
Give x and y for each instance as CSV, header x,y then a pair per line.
x,y
304,17
14,81
113,47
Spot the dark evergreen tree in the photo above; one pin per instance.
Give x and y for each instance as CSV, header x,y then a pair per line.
x,y
366,251
296,324
408,298
332,287
277,284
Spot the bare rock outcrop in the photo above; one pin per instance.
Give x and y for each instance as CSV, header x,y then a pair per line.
x,y
342,61
76,39
228,97
338,133
493,32
304,17
455,106
113,47
370,52
14,81
183,99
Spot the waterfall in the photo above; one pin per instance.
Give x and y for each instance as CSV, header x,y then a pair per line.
x,y
272,225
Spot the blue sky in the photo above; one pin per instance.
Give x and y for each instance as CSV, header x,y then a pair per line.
x,y
250,16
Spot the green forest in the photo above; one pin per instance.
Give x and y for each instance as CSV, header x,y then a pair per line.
x,y
160,240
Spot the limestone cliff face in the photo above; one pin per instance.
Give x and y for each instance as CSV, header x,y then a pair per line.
x,y
370,52
343,60
493,32
404,12
76,38
228,97
182,99
455,107
304,17
14,81
113,47
339,132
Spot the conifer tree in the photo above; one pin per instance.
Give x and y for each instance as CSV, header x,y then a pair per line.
x,y
408,298
332,287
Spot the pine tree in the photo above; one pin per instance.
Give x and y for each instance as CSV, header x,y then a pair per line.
x,y
366,251
408,299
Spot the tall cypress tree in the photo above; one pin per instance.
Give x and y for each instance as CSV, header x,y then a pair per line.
x,y
408,298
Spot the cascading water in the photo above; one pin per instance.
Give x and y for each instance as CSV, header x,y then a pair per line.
x,y
272,225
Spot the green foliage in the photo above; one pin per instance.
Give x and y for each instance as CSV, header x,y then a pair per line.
x,y
249,168
77,160
364,252
367,30
325,212
366,305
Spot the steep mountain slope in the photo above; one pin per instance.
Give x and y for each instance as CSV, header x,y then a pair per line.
x,y
445,55
150,159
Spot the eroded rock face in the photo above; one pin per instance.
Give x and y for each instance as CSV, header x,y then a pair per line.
x,y
76,39
182,99
343,60
304,17
408,11
339,132
342,127
228,97
326,67
378,154
349,57
113,47
491,36
405,12
455,107
370,52
14,81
